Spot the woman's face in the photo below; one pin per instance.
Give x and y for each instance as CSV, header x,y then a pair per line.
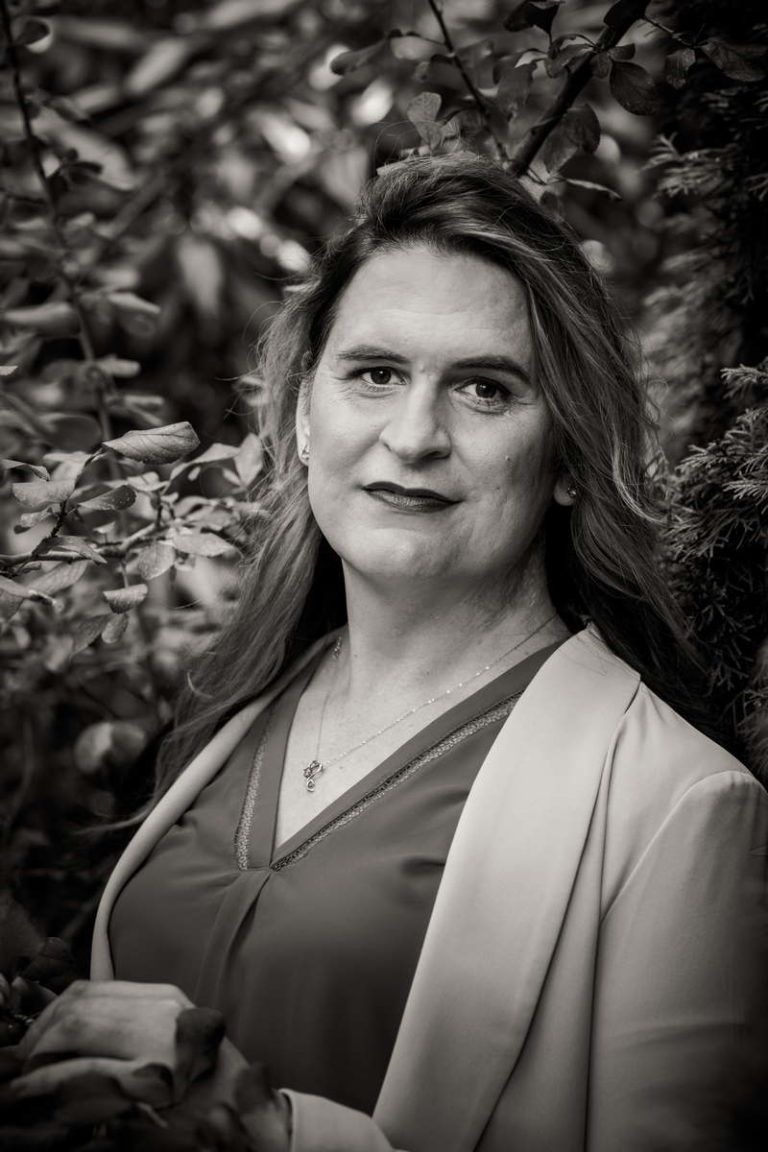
x,y
430,444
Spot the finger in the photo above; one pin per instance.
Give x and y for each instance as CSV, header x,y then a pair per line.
x,y
128,989
43,1081
112,1028
56,1027
90,1090
40,1026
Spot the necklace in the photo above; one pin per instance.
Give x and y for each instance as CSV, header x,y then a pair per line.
x,y
316,766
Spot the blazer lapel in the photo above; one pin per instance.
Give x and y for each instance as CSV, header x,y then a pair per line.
x,y
174,803
504,893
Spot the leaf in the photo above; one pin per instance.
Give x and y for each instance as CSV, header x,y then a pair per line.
x,y
201,544
29,520
624,13
123,369
77,545
250,459
66,108
164,59
408,46
130,302
115,628
61,577
201,266
229,14
39,494
533,14
583,127
156,445
422,112
53,966
54,319
72,433
214,454
34,31
116,741
678,65
347,62
57,652
88,630
514,86
123,599
37,469
199,1032
558,148
622,52
113,500
593,187
155,559
635,89
560,59
732,60
20,592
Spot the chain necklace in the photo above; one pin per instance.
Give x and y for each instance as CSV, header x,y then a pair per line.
x,y
317,766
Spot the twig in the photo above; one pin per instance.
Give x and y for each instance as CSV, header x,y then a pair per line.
x,y
108,551
84,336
469,83
577,80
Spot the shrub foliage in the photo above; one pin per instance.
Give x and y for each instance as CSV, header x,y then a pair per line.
x,y
165,174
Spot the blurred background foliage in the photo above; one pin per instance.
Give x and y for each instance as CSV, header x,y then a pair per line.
x,y
168,166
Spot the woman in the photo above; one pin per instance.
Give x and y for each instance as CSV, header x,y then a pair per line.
x,y
449,862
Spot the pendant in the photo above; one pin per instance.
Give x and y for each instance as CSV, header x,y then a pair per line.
x,y
313,769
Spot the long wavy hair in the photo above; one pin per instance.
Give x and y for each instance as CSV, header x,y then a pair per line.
x,y
602,555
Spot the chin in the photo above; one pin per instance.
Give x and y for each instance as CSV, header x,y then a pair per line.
x,y
395,561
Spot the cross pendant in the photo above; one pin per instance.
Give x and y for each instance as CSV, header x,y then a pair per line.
x,y
310,772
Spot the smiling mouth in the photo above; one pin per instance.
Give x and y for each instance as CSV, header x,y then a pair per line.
x,y
409,499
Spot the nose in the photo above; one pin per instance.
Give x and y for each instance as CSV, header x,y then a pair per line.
x,y
415,429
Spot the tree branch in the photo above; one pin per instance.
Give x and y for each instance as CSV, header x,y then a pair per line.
x,y
577,80
469,83
84,336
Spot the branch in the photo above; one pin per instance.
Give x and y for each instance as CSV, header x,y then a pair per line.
x,y
469,83
577,80
84,337
107,551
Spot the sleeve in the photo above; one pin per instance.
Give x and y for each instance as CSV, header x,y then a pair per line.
x,y
680,1027
320,1125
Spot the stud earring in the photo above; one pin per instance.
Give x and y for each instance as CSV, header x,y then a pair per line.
x,y
304,453
572,491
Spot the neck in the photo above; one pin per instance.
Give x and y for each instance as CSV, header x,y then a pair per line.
x,y
422,642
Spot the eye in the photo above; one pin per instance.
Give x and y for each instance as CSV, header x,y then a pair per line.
x,y
487,393
378,377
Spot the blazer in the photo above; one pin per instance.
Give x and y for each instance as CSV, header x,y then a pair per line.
x,y
593,974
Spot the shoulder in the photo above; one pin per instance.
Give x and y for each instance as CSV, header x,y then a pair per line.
x,y
657,765
666,780
651,742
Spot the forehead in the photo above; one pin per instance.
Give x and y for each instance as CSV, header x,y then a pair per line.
x,y
419,299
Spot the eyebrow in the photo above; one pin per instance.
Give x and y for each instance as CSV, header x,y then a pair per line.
x,y
487,363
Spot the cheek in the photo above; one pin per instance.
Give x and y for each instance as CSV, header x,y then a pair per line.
x,y
519,468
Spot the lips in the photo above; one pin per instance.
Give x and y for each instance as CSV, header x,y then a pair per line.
x,y
408,499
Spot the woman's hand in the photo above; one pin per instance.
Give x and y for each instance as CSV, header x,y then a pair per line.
x,y
122,1031
109,1020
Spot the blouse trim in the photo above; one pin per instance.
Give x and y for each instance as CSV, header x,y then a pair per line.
x,y
499,712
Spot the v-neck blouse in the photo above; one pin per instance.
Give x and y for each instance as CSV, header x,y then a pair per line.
x,y
309,950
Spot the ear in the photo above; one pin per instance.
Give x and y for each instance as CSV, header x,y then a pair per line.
x,y
565,492
302,417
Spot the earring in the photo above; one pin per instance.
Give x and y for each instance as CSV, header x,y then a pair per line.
x,y
304,453
572,491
